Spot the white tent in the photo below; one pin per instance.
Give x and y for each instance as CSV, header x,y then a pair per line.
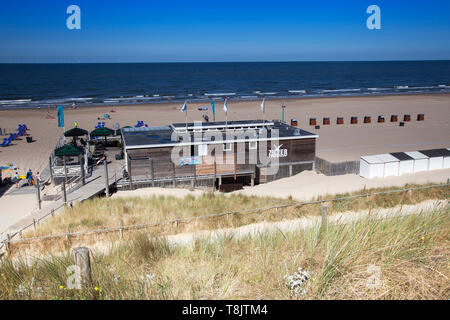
x,y
420,161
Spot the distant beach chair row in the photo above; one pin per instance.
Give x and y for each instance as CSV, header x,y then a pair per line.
x,y
21,131
100,125
354,120
140,124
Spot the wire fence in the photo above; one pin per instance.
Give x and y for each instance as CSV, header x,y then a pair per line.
x,y
176,221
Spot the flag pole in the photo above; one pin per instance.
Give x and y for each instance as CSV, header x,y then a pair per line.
x,y
226,120
186,117
264,110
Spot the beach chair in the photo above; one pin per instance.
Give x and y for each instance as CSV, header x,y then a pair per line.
x,y
6,142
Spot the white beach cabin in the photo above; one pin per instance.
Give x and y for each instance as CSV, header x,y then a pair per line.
x,y
406,164
391,164
371,167
436,158
420,161
447,160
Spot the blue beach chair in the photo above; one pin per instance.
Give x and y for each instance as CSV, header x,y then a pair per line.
x,y
6,142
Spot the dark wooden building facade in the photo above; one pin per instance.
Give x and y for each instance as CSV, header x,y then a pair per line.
x,y
217,154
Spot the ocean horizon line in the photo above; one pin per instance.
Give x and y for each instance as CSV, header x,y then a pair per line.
x,y
237,61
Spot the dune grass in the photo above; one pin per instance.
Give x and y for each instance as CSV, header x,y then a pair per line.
x,y
400,258
102,213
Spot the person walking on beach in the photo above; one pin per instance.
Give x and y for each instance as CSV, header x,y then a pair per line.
x,y
16,179
29,177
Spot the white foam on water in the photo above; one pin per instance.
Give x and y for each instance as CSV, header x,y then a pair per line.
x,y
297,91
220,94
340,90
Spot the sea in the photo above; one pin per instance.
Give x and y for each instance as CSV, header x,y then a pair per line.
x,y
97,84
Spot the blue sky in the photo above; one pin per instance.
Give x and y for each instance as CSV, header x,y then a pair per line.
x,y
214,30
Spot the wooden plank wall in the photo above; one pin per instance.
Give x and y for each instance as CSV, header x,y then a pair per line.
x,y
297,150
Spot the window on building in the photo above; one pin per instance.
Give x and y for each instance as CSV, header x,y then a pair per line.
x,y
227,147
203,150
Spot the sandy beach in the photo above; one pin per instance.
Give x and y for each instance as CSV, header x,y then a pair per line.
x,y
335,143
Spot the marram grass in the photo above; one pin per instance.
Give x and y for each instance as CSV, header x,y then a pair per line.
x,y
400,258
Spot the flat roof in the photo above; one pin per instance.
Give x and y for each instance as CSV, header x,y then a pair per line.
x,y
401,156
386,157
222,124
436,153
374,159
152,137
416,155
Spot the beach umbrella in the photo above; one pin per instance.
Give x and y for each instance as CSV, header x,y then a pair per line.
x,y
102,132
68,150
75,132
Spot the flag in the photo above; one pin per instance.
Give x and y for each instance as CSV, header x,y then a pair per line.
x,y
262,104
60,116
183,108
225,106
213,110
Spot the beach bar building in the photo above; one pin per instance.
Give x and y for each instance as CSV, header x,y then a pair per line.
x,y
216,154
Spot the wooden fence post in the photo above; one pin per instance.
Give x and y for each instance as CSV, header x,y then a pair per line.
x,y
65,168
52,179
34,223
121,229
130,175
67,234
152,172
215,173
38,193
8,243
106,178
83,262
83,174
174,175
64,194
324,223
